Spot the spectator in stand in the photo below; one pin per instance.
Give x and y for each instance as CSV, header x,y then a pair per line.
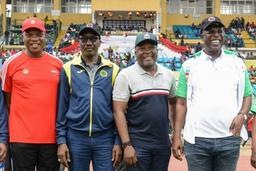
x,y
198,47
6,37
242,23
130,59
228,42
207,82
193,26
178,34
30,82
253,25
173,61
111,54
46,20
247,25
182,43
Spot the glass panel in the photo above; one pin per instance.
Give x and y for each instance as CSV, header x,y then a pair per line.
x,y
248,7
48,6
72,6
225,7
209,11
84,7
190,6
238,7
173,6
63,6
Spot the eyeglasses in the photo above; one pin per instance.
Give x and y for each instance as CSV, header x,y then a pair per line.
x,y
85,39
220,31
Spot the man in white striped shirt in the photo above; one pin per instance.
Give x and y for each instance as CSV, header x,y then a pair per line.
x,y
142,94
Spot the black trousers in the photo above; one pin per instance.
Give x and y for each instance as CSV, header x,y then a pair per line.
x,y
27,157
8,161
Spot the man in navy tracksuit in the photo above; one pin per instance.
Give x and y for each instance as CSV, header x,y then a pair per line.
x,y
85,123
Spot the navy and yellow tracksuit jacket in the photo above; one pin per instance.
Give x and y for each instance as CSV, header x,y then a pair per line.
x,y
85,99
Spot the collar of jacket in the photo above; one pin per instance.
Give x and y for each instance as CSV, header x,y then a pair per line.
x,y
105,62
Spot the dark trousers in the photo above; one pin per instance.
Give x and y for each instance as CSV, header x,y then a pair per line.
x,y
151,159
27,157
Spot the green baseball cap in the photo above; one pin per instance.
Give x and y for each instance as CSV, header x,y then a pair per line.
x,y
145,37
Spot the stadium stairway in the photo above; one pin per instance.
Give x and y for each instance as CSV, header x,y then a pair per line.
x,y
59,38
248,41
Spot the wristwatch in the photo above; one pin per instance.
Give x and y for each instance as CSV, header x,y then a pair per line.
x,y
244,115
125,144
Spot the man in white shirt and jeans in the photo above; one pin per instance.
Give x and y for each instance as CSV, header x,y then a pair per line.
x,y
214,97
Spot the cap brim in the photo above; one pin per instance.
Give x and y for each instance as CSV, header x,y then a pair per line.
x,y
35,27
218,24
154,42
87,29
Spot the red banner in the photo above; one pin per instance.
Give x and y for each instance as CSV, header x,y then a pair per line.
x,y
173,46
71,49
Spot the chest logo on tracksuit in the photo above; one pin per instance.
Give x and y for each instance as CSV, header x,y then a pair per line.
x,y
80,71
103,73
25,71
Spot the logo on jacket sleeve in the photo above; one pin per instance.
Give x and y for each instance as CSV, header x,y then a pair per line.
x,y
103,73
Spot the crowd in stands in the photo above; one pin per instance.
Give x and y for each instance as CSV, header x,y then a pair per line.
x,y
251,29
8,53
125,28
186,32
4,54
232,33
71,35
237,24
14,36
123,59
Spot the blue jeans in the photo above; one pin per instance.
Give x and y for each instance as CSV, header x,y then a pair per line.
x,y
84,149
151,159
213,154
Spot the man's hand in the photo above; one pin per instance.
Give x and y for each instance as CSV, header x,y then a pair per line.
x,y
130,156
253,158
3,152
63,155
116,155
236,125
177,147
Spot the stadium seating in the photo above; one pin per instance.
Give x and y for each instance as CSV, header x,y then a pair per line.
x,y
187,31
15,37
